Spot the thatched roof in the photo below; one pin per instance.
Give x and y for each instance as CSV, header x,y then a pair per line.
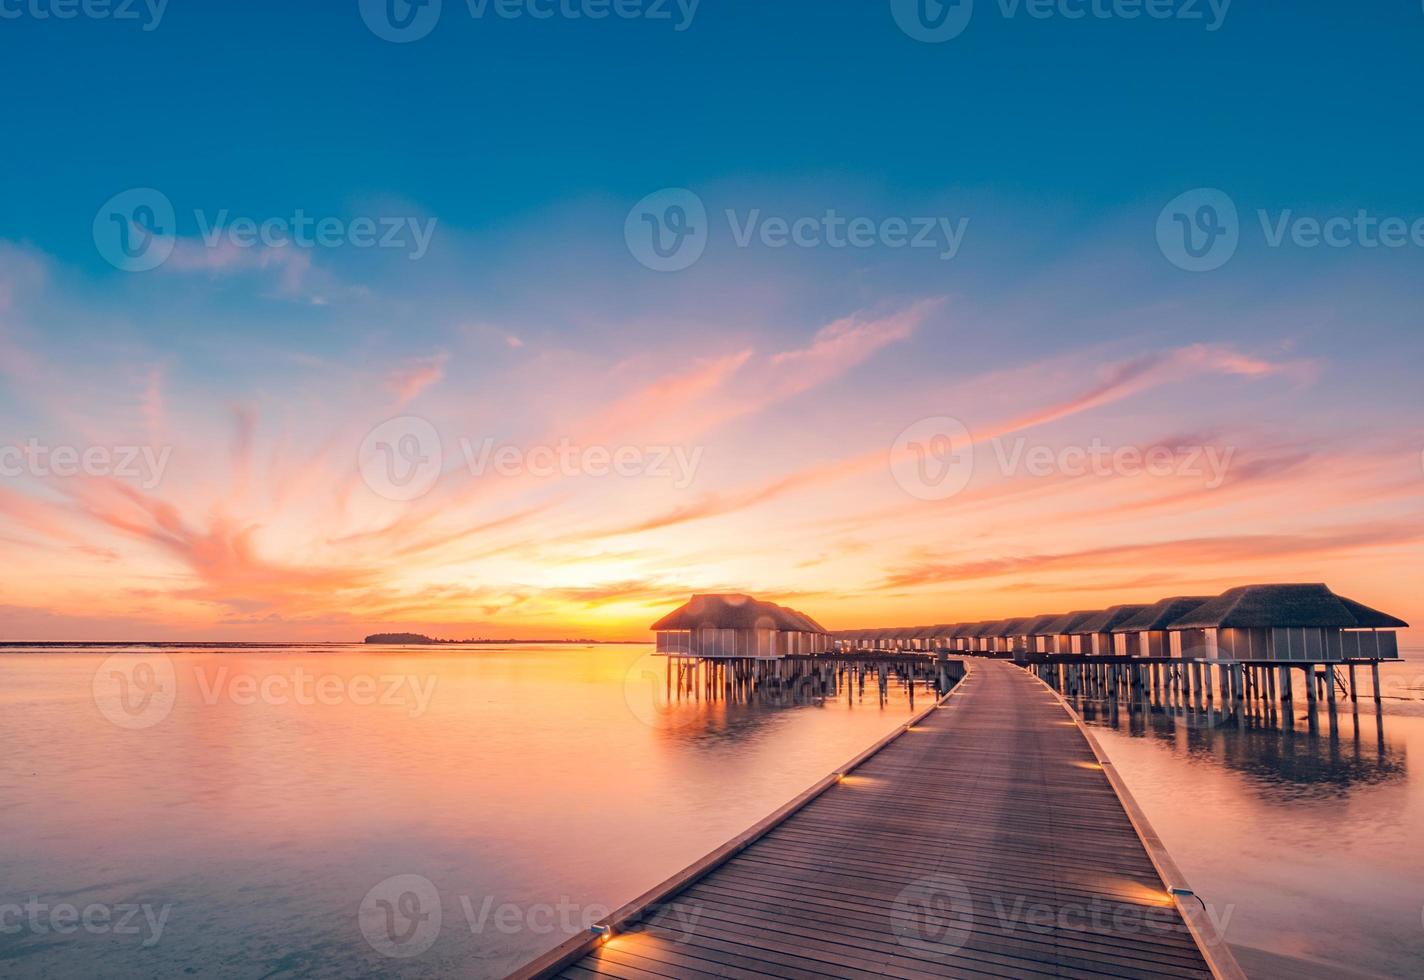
x,y
1038,625
811,626
1070,624
1161,615
965,629
1108,618
1012,627
736,612
1284,606
987,629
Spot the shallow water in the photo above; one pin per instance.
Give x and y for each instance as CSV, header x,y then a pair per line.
x,y
267,819
1307,845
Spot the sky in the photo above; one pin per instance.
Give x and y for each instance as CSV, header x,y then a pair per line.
x,y
508,319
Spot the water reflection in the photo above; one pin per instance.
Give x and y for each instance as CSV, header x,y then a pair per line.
x,y
1276,748
279,786
1304,828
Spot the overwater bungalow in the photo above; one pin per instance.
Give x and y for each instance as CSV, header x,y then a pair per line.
x,y
908,638
1065,634
720,626
937,636
982,639
1037,639
1146,634
960,633
1283,623
1099,641
1008,635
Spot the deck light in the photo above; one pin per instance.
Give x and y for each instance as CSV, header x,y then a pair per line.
x,y
606,932
1179,892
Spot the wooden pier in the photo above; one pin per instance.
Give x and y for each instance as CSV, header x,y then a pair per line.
x,y
985,840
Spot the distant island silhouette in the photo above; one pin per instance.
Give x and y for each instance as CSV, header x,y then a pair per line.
x,y
420,639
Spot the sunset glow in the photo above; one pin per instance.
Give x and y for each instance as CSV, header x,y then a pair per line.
x,y
263,528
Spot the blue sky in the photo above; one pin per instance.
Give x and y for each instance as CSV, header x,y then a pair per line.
x,y
526,141
271,105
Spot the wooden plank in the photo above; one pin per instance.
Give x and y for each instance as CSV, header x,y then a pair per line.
x,y
988,840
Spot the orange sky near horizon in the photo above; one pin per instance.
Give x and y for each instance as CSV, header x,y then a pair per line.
x,y
796,481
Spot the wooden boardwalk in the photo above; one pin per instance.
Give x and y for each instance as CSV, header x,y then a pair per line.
x,y
985,842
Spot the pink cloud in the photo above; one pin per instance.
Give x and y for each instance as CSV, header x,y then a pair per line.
x,y
415,376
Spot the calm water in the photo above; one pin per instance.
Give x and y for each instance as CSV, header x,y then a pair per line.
x,y
1308,846
269,817
265,820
